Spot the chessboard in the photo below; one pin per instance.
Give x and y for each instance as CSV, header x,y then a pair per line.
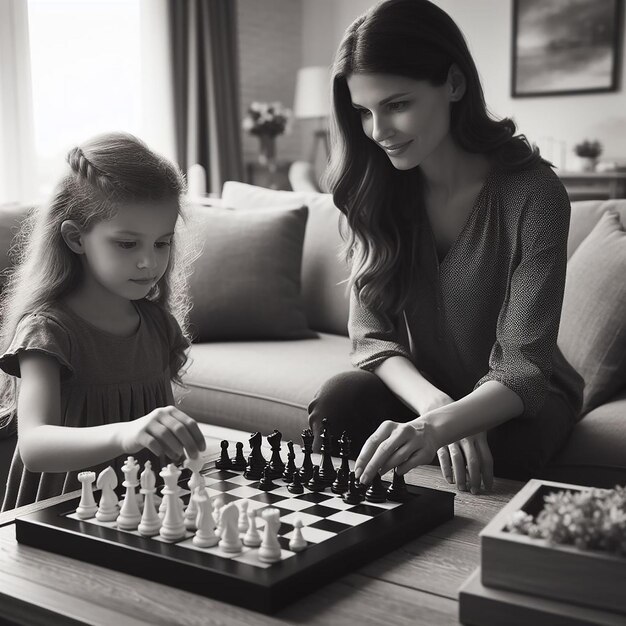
x,y
339,533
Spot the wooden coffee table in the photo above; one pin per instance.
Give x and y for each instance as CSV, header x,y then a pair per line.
x,y
416,584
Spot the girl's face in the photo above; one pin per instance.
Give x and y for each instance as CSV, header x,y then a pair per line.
x,y
408,119
128,254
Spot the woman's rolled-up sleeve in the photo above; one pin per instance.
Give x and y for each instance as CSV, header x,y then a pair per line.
x,y
528,324
375,336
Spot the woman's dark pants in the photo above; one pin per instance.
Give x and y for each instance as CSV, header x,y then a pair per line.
x,y
358,402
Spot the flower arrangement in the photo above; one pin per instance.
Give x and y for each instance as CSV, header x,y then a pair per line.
x,y
593,519
267,118
589,149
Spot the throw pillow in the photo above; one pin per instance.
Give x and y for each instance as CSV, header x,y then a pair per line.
x,y
592,334
246,280
324,273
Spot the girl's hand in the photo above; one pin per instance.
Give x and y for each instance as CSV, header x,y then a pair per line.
x,y
470,457
393,444
166,431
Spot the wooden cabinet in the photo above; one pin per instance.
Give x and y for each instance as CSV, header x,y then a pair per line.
x,y
594,185
272,176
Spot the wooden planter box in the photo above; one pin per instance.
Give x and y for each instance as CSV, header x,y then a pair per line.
x,y
532,566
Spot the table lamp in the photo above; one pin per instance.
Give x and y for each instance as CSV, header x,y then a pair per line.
x,y
312,101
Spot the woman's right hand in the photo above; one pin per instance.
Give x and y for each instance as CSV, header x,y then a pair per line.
x,y
166,431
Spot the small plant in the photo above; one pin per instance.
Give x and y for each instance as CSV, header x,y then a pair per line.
x,y
590,149
267,118
593,519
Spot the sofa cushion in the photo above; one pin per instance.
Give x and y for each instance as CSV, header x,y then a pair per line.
x,y
585,215
261,385
323,270
592,335
594,454
246,281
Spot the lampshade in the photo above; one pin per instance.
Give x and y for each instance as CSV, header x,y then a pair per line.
x,y
312,98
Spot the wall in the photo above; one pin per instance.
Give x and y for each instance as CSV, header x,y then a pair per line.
x,y
270,53
487,25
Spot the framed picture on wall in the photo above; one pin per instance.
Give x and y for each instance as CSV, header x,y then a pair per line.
x,y
565,47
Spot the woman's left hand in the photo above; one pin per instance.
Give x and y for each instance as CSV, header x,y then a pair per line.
x,y
468,458
395,444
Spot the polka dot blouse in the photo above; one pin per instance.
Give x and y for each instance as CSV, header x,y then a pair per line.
x,y
490,308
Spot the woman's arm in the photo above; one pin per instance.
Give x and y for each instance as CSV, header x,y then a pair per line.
x,y
410,386
46,446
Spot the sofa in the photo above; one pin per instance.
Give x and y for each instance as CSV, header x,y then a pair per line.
x,y
259,373
263,383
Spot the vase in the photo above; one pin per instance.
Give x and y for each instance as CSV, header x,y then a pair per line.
x,y
267,149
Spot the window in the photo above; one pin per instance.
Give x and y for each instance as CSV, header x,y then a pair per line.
x,y
85,58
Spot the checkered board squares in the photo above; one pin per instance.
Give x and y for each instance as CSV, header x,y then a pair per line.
x,y
324,515
341,537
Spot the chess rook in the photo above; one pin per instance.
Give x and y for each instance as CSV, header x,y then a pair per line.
x,y
87,506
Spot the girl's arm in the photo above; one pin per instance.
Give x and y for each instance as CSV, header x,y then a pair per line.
x,y
46,446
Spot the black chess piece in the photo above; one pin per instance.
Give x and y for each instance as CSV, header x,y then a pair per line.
x,y
397,491
277,466
344,452
306,470
296,484
328,473
316,483
290,468
266,483
341,482
224,462
354,495
239,463
376,491
256,461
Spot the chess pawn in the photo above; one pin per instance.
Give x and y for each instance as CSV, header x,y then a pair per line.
x,y
229,517
297,543
224,462
239,462
87,506
173,526
150,521
270,552
252,537
205,536
108,509
218,505
243,516
129,516
341,482
196,481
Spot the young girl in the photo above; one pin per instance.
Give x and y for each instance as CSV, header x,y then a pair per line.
x,y
458,251
89,323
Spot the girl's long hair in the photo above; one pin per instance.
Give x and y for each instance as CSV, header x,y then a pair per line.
x,y
104,174
414,39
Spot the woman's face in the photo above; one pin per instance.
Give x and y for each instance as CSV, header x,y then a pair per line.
x,y
408,119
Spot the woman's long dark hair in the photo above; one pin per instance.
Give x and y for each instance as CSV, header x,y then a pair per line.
x,y
414,39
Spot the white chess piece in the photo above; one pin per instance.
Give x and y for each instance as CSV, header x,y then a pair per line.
x,y
150,521
108,509
218,505
229,517
252,538
270,552
130,516
196,480
297,543
87,506
243,516
205,536
173,526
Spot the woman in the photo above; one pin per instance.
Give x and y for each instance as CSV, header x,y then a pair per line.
x,y
457,243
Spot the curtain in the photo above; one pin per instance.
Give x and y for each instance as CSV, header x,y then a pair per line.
x,y
17,143
206,92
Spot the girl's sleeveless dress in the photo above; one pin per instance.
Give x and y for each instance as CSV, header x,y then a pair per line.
x,y
105,378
